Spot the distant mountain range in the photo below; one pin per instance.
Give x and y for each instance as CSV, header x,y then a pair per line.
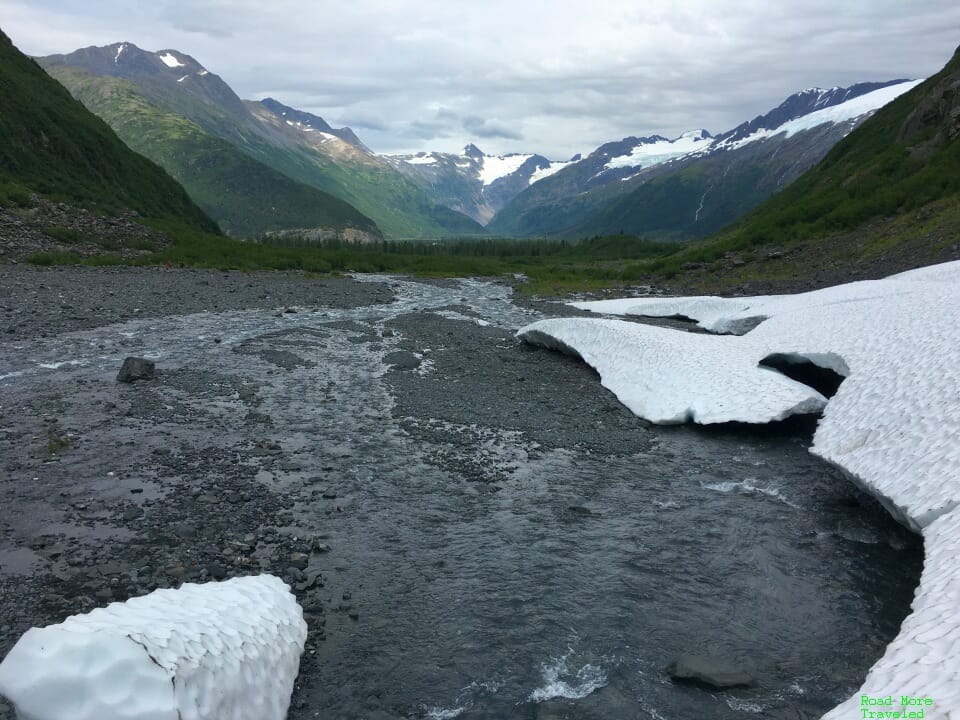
x,y
692,185
254,166
666,188
263,166
884,199
474,183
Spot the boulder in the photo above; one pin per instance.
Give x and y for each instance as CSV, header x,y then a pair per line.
x,y
134,369
714,673
402,360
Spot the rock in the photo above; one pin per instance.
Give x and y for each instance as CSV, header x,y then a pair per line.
x,y
310,581
134,369
402,360
711,672
299,560
132,513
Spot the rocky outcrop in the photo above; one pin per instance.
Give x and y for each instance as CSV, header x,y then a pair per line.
x,y
43,226
935,120
314,236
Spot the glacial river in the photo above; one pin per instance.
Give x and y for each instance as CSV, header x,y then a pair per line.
x,y
565,587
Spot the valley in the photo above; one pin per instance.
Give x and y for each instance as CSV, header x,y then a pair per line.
x,y
661,428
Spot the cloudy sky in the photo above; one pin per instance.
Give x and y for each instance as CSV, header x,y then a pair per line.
x,y
548,76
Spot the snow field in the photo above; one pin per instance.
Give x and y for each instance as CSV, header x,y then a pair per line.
x,y
218,651
893,426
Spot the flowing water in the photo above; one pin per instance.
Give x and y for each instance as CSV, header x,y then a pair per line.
x,y
565,588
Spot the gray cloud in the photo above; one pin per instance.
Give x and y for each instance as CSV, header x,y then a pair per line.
x,y
543,76
488,128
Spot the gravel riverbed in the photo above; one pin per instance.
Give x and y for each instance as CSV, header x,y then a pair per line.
x,y
112,490
348,435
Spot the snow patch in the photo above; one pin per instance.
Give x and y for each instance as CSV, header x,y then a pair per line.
x,y
170,61
494,167
219,651
648,154
421,159
183,78
551,169
892,425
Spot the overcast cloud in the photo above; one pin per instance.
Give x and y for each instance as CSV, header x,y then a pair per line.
x,y
546,76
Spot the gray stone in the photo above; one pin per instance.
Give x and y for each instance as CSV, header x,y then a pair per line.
x,y
299,560
134,369
712,672
402,360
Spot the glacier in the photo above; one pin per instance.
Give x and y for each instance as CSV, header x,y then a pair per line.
x,y
844,112
217,651
892,426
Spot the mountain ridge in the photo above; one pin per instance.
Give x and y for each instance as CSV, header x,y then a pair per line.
x,y
680,195
884,199
175,82
54,147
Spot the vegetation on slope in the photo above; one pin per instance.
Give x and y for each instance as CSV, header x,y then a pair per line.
x,y
244,196
398,207
55,147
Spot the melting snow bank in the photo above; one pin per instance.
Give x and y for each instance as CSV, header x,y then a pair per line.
x,y
219,651
893,425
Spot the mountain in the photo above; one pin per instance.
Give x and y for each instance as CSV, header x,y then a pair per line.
x,y
885,198
692,185
474,183
245,197
175,83
312,123
53,146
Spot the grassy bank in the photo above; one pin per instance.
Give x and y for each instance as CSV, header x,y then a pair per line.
x,y
550,266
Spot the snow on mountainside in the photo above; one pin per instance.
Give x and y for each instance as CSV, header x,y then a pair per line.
x,y
803,103
494,167
473,182
657,149
692,185
308,122
848,111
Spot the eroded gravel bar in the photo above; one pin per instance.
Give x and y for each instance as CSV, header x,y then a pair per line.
x,y
39,302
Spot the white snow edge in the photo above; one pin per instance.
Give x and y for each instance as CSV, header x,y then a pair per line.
x,y
219,651
893,425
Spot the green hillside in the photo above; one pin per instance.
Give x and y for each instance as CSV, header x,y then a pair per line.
x,y
244,196
399,208
889,191
55,147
